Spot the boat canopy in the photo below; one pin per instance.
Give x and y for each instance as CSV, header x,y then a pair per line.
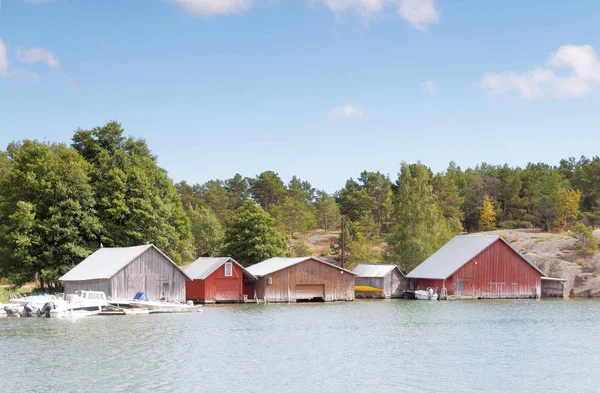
x,y
141,295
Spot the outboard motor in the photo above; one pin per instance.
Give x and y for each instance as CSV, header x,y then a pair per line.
x,y
27,310
11,312
45,310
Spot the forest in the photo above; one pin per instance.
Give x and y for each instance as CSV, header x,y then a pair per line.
x,y
59,202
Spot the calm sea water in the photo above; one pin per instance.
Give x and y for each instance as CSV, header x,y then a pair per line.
x,y
364,346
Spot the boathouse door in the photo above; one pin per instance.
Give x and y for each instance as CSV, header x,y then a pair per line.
x,y
459,287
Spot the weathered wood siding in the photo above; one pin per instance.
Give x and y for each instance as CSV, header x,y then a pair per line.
x,y
150,272
339,285
553,288
206,290
88,285
498,272
393,285
398,284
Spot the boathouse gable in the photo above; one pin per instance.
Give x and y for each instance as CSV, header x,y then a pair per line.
x,y
121,272
216,280
386,277
478,266
302,279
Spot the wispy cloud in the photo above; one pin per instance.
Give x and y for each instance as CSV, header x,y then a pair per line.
x,y
3,59
348,110
205,8
419,14
8,72
430,87
35,55
583,74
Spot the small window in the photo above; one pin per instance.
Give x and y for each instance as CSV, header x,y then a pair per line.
x,y
228,269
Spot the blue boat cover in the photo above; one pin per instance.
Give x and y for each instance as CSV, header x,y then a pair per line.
x,y
141,295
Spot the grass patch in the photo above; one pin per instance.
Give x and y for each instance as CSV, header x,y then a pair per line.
x,y
5,293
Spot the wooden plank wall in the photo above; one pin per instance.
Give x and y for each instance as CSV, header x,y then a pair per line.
x,y
87,285
398,284
149,272
339,285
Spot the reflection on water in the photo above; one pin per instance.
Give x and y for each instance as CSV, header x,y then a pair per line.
x,y
364,346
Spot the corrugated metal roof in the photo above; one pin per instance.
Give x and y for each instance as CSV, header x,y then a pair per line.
x,y
108,261
104,263
276,264
454,254
374,269
204,267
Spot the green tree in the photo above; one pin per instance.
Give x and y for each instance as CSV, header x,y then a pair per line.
x,y
584,238
487,215
253,237
47,216
267,189
328,213
238,189
449,200
207,233
214,195
136,200
293,215
420,227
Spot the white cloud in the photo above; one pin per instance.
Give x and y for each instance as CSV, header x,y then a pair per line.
x,y
3,59
348,110
35,55
366,9
419,14
213,7
582,75
430,87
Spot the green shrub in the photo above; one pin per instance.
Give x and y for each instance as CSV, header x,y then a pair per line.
x,y
584,238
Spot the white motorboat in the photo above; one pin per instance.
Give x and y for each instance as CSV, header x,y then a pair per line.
x,y
429,294
35,300
80,304
140,300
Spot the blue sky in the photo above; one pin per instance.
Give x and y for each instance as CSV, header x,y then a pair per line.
x,y
322,89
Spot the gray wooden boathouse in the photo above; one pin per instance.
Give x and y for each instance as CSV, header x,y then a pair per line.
x,y
385,277
120,272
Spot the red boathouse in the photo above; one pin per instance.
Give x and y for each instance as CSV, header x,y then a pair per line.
x,y
217,280
476,266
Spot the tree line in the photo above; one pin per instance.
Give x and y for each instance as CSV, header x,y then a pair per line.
x,y
59,202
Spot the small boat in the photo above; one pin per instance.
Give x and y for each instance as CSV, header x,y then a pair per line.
x,y
429,294
80,304
140,300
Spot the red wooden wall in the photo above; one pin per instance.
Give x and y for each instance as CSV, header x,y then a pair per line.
x,y
497,272
217,287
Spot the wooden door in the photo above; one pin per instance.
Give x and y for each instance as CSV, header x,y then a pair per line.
x,y
227,290
310,291
459,287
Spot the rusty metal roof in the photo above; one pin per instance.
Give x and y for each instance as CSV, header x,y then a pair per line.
x,y
374,269
108,261
276,264
201,268
454,254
